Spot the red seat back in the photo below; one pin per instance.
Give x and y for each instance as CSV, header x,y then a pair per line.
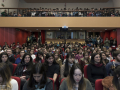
x,y
18,80
62,81
85,71
14,67
53,82
98,84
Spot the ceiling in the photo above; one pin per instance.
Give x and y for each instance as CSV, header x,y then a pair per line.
x,y
38,29
66,1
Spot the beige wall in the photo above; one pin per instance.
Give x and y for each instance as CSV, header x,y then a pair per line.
x,y
116,3
22,3
112,22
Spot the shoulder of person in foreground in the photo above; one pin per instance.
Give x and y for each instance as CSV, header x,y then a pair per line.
x,y
63,85
14,84
88,84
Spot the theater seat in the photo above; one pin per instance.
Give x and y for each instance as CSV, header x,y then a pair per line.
x,y
18,80
62,81
53,82
98,84
85,71
14,67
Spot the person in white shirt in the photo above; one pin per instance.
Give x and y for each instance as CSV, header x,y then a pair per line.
x,y
32,54
6,82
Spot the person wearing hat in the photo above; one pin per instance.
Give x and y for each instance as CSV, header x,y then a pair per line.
x,y
111,65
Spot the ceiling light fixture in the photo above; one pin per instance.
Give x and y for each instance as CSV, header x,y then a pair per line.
x,y
105,29
36,29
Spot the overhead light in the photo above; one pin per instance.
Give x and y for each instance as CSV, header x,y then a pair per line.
x,y
80,29
93,29
105,29
48,29
59,29
36,29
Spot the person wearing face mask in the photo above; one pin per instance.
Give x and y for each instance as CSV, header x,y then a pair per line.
x,y
65,68
4,59
96,69
38,79
112,82
23,69
75,80
111,65
105,61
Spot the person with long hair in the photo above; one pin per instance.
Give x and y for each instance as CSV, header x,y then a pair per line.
x,y
4,59
65,68
51,67
38,79
23,69
57,58
112,82
79,55
6,82
75,80
39,58
105,61
96,69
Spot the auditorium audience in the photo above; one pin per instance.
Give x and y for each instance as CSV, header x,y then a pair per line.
x,y
105,61
57,58
96,69
75,80
38,79
79,55
6,82
32,54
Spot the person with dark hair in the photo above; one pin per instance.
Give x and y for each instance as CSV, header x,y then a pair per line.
x,y
17,53
23,69
111,65
112,82
32,54
107,43
51,67
79,55
96,69
6,82
18,60
11,56
39,58
4,58
38,79
75,80
105,61
65,68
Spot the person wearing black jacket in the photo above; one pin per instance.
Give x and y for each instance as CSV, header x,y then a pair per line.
x,y
11,56
4,59
96,69
23,70
29,13
111,41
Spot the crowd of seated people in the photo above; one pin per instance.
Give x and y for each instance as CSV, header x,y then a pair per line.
x,y
37,63
48,12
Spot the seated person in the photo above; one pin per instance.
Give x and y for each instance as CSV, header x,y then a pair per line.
x,y
38,79
112,82
57,58
23,69
39,58
75,80
6,82
65,68
17,53
51,67
4,13
32,54
11,56
4,59
18,60
111,65
105,61
96,69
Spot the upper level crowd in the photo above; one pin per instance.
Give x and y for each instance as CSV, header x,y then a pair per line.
x,y
48,12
